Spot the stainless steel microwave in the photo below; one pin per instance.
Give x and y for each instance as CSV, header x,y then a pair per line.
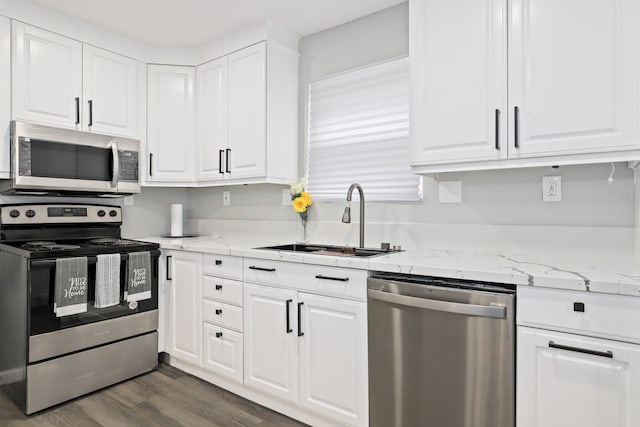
x,y
49,160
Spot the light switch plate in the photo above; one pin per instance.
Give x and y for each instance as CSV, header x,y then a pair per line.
x,y
128,200
450,191
286,197
551,189
226,198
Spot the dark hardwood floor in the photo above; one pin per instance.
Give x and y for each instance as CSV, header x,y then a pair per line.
x,y
166,397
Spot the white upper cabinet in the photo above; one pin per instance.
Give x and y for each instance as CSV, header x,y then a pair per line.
x,y
211,119
171,123
459,95
247,112
247,115
47,77
523,82
110,86
573,69
61,82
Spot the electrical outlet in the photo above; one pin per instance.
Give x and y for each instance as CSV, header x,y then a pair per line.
x,y
128,200
226,198
286,197
551,189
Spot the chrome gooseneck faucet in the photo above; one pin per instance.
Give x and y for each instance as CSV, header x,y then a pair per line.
x,y
346,216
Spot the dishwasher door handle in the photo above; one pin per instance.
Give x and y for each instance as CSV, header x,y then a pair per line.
x,y
437,305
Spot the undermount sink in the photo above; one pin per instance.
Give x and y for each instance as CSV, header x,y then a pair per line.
x,y
348,251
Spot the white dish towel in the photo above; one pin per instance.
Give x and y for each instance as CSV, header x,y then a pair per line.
x,y
107,281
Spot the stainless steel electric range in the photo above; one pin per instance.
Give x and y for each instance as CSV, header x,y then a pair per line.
x,y
48,358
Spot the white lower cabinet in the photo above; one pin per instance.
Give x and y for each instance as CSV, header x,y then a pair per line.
x,y
309,350
184,337
571,380
223,350
271,344
332,356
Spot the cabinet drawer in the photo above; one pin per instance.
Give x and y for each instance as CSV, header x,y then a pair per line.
x,y
222,290
319,279
223,266
609,316
223,352
225,315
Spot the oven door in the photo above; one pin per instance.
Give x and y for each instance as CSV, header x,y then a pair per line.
x,y
51,336
47,158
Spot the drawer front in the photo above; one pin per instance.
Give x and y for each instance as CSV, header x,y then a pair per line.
x,y
222,266
223,352
223,290
608,316
319,279
225,315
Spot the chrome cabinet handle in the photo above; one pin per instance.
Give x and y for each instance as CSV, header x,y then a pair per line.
x,y
607,354
220,154
228,160
218,287
218,311
449,307
218,334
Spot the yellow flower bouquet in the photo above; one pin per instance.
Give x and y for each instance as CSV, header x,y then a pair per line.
x,y
301,200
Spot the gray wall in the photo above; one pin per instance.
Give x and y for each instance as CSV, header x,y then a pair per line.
x,y
507,197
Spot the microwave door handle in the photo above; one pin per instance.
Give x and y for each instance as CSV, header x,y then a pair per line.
x,y
116,164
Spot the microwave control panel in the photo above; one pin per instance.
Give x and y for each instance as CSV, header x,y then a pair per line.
x,y
128,165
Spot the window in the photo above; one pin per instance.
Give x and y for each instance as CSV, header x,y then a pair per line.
x,y
358,131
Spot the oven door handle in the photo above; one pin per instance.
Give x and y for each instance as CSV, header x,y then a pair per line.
x,y
116,164
90,259
497,312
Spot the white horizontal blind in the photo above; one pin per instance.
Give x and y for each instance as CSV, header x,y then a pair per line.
x,y
358,131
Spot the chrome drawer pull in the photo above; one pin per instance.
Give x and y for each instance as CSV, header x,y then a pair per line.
x,y
607,354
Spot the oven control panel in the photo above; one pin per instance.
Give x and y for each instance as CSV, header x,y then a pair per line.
x,y
59,214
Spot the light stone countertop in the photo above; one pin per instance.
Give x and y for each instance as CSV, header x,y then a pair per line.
x,y
587,275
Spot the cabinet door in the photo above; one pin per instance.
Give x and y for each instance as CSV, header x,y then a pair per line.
x,y
186,307
164,302
223,352
573,75
247,112
271,350
47,77
171,123
110,88
333,358
559,388
211,135
458,53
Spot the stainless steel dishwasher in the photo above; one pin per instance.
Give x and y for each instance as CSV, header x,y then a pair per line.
x,y
441,352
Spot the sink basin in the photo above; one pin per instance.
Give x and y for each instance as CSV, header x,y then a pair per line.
x,y
347,251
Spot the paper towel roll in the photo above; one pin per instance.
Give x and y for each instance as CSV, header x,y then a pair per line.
x,y
176,220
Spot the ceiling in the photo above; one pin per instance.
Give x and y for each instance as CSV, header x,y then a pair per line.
x,y
182,23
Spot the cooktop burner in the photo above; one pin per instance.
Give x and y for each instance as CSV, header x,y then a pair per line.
x,y
48,246
112,241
